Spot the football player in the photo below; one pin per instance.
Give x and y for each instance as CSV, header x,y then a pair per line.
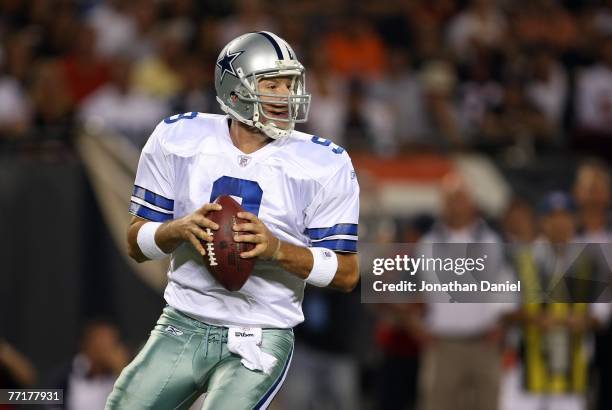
x,y
301,201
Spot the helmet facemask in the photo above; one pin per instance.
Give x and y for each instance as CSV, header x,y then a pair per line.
x,y
296,103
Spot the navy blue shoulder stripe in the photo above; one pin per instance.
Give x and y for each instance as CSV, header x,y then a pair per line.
x,y
340,245
339,229
148,213
153,198
279,53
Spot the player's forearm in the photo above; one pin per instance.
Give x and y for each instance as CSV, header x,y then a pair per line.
x,y
166,237
299,260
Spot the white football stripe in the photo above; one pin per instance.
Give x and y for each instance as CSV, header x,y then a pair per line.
x,y
150,205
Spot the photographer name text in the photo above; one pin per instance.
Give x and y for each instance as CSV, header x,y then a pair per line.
x,y
455,286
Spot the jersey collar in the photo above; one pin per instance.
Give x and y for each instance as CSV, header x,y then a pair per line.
x,y
225,141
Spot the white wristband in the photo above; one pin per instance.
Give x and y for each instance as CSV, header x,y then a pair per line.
x,y
324,267
146,241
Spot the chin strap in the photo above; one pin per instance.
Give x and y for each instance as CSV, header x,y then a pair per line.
x,y
270,130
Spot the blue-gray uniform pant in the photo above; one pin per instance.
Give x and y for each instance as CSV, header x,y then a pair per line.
x,y
184,358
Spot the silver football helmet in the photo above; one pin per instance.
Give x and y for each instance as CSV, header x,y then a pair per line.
x,y
242,64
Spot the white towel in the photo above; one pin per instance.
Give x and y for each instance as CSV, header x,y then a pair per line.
x,y
246,342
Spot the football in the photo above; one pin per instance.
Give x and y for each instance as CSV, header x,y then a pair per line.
x,y
223,254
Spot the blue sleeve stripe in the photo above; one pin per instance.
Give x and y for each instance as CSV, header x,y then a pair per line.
x,y
153,198
340,245
148,213
339,229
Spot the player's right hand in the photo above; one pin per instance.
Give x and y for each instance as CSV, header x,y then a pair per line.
x,y
192,228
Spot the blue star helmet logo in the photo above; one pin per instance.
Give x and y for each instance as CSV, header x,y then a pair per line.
x,y
226,63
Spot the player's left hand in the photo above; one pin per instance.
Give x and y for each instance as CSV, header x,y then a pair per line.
x,y
255,231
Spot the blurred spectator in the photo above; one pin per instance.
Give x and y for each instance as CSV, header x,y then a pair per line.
x,y
592,193
15,109
368,123
19,55
547,87
480,93
461,363
197,92
207,38
159,74
481,25
603,18
51,103
553,369
114,27
16,370
439,81
329,99
57,35
249,16
183,13
145,14
401,90
518,222
545,22
427,44
429,13
354,49
83,69
88,379
516,122
119,108
594,94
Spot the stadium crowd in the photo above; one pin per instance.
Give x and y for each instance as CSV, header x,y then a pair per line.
x,y
385,76
515,80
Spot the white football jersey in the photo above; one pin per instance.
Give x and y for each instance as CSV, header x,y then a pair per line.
x,y
302,187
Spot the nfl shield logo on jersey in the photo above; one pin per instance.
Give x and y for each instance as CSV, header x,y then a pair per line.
x,y
243,160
